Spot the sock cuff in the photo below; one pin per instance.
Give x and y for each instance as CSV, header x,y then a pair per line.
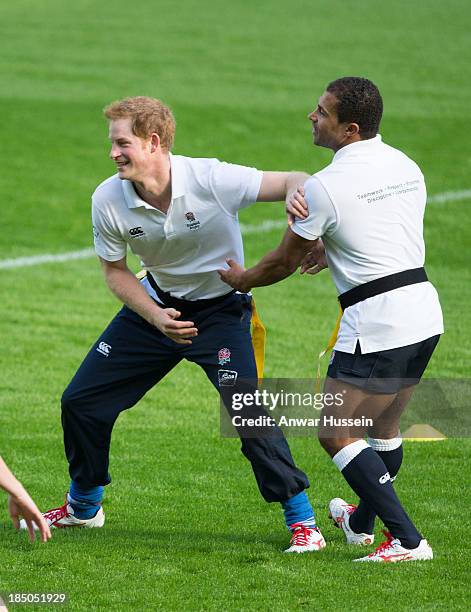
x,y
309,522
90,496
298,509
298,499
378,444
348,453
74,502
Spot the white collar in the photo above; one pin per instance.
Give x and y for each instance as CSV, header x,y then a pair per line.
x,y
177,169
355,147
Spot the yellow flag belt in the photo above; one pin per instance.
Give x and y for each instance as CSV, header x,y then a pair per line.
x,y
258,340
329,347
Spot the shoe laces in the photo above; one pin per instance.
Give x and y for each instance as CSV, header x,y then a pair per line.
x,y
384,546
301,534
56,514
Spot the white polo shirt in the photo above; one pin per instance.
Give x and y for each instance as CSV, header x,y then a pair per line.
x,y
368,205
184,248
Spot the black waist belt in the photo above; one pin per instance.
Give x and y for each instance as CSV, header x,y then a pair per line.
x,y
173,302
382,285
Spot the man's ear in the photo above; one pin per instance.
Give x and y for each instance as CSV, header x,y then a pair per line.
x,y
352,129
154,142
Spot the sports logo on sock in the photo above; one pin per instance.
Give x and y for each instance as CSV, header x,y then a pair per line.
x,y
384,478
224,356
227,378
104,349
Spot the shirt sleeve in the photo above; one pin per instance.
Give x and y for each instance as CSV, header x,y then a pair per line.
x,y
322,217
235,187
108,242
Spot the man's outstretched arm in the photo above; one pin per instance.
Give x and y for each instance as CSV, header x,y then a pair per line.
x,y
273,267
287,186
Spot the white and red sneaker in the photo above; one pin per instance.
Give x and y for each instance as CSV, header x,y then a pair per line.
x,y
391,551
64,517
339,512
305,539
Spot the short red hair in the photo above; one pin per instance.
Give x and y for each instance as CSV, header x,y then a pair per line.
x,y
147,115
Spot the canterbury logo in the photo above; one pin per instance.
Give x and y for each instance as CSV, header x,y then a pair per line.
x,y
104,349
384,479
136,231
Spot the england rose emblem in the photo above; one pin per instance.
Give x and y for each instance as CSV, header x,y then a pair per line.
x,y
224,356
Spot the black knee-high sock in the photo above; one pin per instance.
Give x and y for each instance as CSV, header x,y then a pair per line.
x,y
391,452
366,473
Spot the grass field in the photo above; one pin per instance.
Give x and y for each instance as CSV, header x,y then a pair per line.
x,y
186,528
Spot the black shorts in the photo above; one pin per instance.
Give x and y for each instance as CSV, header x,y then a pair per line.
x,y
384,371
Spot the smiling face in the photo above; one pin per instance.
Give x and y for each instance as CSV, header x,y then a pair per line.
x,y
327,131
131,154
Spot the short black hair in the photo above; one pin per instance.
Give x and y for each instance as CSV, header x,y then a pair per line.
x,y
359,101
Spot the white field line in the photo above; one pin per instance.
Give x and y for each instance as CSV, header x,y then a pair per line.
x,y
449,196
36,260
247,229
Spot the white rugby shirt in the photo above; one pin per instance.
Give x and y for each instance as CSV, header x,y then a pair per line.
x,y
368,206
184,248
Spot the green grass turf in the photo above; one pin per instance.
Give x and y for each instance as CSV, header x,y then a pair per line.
x,y
186,528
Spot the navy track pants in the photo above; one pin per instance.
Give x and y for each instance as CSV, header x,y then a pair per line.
x,y
131,356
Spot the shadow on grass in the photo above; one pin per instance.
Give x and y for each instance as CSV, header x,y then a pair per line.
x,y
141,543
